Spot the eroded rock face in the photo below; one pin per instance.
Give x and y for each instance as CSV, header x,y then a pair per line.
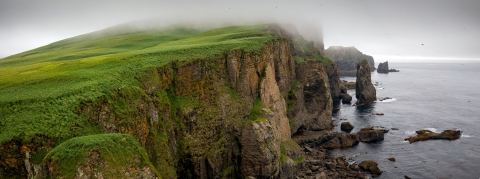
x,y
312,106
423,135
271,97
260,153
364,91
334,81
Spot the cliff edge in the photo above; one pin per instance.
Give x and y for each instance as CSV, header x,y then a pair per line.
x,y
347,59
216,104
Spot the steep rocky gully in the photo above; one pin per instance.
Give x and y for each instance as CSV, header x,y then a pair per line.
x,y
228,117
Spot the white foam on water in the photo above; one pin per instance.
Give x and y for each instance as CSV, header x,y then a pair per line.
x,y
388,100
410,133
431,129
467,136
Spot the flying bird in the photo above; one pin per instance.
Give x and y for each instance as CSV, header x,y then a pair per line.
x,y
422,44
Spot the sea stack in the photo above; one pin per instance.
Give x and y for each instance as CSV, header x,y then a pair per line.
x,y
364,89
383,67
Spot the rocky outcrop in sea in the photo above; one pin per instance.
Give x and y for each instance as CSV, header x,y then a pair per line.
x,y
383,68
365,92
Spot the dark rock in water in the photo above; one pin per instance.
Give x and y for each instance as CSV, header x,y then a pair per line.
x,y
383,67
393,70
394,128
346,98
370,166
378,114
391,159
427,135
371,134
346,126
365,91
406,177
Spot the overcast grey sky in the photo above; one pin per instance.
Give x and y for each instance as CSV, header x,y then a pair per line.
x,y
387,30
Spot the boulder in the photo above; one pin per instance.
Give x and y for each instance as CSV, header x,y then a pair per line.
x,y
346,98
370,166
427,135
365,91
371,135
383,67
346,126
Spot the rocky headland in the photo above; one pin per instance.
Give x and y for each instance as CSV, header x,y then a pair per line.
x,y
229,116
347,58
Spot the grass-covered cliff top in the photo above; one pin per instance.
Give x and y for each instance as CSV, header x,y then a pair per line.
x,y
42,89
106,153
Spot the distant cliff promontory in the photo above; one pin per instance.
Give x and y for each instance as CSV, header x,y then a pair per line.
x,y
347,58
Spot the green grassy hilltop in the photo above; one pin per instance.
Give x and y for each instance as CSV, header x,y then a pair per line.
x,y
171,90
41,89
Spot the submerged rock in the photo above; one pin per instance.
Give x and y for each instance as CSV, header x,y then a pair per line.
x,y
427,135
364,91
370,166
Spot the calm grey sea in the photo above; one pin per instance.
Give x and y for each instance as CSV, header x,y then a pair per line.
x,y
427,95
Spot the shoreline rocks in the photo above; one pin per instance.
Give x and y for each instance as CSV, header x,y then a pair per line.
x,y
319,164
364,90
423,135
371,167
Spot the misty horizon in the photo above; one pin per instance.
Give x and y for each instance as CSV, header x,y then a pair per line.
x,y
436,30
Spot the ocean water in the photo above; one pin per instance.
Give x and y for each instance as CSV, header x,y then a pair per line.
x,y
426,95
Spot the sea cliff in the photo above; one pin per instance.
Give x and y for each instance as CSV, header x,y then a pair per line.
x,y
228,115
347,59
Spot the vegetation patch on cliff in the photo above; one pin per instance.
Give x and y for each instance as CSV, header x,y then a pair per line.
x,y
102,154
42,88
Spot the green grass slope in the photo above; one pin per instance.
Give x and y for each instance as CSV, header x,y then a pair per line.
x,y
42,89
109,155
